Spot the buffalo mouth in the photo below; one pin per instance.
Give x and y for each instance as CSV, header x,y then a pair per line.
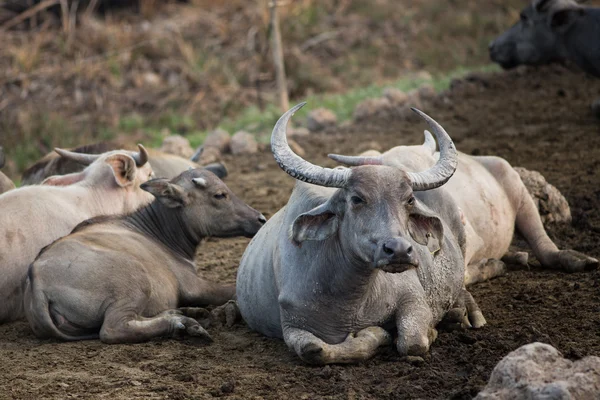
x,y
397,268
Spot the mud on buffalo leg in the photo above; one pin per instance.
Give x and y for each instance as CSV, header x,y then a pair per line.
x,y
414,322
359,347
530,226
484,270
465,312
128,327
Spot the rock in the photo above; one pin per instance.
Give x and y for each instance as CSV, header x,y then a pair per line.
x,y
596,108
423,75
243,143
551,204
320,119
228,386
208,155
296,148
151,79
427,92
178,145
538,371
297,132
371,108
414,99
218,138
395,96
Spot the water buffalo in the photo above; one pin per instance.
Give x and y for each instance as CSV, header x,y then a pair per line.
x,y
120,279
324,272
34,216
5,183
548,31
163,164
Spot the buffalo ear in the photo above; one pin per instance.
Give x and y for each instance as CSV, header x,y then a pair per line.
x,y
170,194
563,20
426,230
64,180
123,167
317,224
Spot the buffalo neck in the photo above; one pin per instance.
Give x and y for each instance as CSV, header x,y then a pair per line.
x,y
345,272
167,226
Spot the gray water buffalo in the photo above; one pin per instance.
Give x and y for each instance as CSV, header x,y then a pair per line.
x,y
548,31
32,217
121,279
163,164
359,251
5,183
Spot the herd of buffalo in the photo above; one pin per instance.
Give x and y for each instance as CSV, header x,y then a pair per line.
x,y
99,243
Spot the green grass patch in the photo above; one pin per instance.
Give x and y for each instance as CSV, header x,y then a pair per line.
x,y
253,120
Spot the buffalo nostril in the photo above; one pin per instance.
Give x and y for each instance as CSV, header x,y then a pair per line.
x,y
409,250
387,250
262,219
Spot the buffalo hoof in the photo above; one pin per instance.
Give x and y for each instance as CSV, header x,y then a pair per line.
x,y
227,314
312,353
202,315
417,345
185,325
574,261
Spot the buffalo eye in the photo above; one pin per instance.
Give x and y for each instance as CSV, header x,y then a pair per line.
x,y
523,17
220,196
411,201
356,200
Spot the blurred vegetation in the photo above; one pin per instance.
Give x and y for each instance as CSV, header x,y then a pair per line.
x,y
188,68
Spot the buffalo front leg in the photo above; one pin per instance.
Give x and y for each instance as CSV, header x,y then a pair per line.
x,y
530,226
129,327
484,270
356,348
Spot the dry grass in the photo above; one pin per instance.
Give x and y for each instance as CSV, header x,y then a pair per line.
x,y
208,60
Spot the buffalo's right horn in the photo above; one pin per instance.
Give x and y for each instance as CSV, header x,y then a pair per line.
x,y
81,158
141,157
444,168
296,166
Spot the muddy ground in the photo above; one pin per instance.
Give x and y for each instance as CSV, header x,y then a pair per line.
x,y
536,118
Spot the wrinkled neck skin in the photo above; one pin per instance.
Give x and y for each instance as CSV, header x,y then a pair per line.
x,y
167,226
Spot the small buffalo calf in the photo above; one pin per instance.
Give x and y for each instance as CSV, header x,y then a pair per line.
x,y
121,279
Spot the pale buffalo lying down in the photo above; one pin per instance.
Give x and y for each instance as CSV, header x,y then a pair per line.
x,y
120,279
32,217
163,164
5,183
360,251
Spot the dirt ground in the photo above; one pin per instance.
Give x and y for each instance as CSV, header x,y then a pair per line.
x,y
535,118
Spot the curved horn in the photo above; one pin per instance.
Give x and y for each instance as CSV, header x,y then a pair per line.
x,y
429,143
196,156
297,167
356,160
141,157
81,158
439,174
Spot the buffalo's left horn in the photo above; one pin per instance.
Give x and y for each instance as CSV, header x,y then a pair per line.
x,y
81,158
141,157
296,166
439,174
